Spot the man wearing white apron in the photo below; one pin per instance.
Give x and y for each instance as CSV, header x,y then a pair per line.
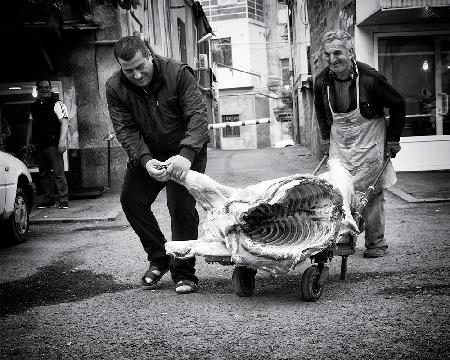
x,y
350,98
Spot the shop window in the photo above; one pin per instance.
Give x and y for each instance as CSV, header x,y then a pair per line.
x,y
419,68
221,51
234,131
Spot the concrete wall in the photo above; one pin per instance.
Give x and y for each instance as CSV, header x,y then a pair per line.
x,y
90,66
244,106
238,30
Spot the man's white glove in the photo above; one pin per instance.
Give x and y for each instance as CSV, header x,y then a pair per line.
x,y
178,166
157,170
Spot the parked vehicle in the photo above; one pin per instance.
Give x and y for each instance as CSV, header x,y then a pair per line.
x,y
17,192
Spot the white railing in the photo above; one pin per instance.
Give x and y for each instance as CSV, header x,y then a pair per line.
x,y
239,123
396,4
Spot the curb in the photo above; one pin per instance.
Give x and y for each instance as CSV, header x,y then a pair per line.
x,y
110,216
411,199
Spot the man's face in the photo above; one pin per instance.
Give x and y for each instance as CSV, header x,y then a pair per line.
x,y
44,90
139,70
338,57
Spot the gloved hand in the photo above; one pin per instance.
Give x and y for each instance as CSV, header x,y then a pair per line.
x,y
392,148
324,147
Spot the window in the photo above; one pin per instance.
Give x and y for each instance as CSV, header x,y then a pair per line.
x,y
427,57
182,40
234,131
221,51
285,72
256,9
282,15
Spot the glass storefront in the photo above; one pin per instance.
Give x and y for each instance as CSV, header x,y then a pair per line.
x,y
419,67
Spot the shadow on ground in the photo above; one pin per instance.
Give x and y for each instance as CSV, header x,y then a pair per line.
x,y
57,283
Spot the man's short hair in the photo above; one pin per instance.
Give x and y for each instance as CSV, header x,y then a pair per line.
x,y
127,47
41,80
342,35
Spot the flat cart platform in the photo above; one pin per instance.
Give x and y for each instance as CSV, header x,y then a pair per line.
x,y
313,278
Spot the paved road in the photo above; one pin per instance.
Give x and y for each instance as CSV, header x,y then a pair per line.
x,y
72,291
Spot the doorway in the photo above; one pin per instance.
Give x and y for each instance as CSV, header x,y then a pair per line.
x,y
15,103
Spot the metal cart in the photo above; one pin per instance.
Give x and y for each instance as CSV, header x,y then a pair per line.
x,y
314,277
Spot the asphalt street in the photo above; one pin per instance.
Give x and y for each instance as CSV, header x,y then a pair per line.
x,y
72,291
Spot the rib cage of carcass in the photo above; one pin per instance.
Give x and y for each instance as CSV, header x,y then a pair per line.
x,y
273,225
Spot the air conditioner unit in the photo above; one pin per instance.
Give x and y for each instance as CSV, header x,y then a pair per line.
x,y
202,61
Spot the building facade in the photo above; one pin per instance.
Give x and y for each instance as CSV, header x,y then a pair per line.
x,y
71,44
250,55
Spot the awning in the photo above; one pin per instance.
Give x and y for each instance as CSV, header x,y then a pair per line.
x,y
416,15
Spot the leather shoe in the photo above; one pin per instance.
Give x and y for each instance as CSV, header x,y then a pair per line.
x,y
374,253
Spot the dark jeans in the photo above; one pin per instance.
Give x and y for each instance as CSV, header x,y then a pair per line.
x,y
139,191
51,172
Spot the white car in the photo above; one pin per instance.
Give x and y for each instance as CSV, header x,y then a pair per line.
x,y
17,192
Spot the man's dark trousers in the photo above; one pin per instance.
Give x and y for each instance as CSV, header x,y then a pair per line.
x,y
139,191
51,172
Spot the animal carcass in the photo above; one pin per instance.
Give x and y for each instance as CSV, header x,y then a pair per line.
x,y
273,225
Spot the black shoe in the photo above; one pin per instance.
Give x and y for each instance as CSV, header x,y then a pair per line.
x,y
374,253
63,205
46,204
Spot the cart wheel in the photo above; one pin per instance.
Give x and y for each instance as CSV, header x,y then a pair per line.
x,y
243,281
311,288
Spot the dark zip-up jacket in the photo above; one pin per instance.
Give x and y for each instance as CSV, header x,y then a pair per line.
x,y
375,94
167,118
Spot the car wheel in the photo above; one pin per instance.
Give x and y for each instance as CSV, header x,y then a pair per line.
x,y
18,223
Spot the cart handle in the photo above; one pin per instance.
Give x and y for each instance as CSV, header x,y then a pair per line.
x,y
316,170
371,188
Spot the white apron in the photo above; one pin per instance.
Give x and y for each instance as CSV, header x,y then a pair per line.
x,y
359,143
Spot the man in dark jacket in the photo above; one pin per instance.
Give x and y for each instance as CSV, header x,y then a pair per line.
x,y
350,98
160,118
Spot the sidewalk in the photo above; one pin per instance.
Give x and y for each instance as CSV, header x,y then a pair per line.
x,y
425,186
105,207
412,187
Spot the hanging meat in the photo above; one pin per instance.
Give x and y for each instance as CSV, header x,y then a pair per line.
x,y
273,225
